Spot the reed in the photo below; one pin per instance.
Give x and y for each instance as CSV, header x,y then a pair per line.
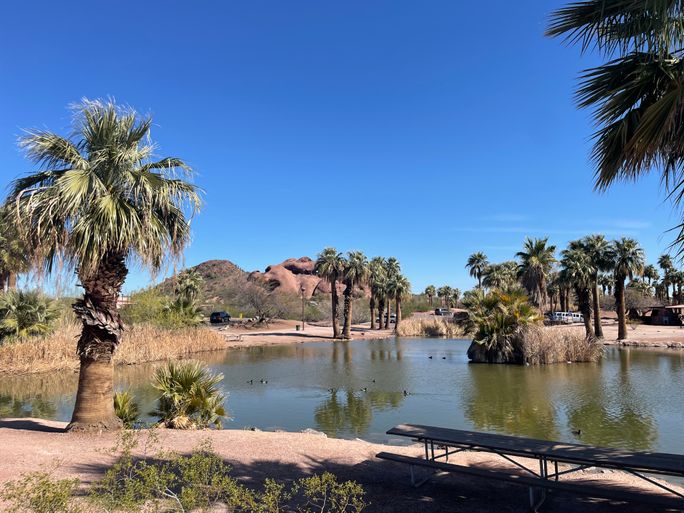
x,y
429,328
544,345
140,343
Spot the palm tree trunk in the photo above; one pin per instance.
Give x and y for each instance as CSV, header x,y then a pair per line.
x,y
598,329
335,304
100,335
389,309
584,306
372,311
398,302
381,308
620,305
4,278
346,330
11,281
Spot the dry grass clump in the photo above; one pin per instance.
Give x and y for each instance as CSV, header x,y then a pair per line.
x,y
140,343
543,345
429,328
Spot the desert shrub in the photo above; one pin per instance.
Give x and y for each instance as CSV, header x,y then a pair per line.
x,y
126,408
545,345
26,313
39,492
190,396
151,307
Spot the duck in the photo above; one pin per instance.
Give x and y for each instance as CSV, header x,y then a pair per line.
x,y
406,393
364,389
577,432
263,381
430,357
443,357
251,381
331,390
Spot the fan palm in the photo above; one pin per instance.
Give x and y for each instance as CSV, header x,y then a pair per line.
x,y
13,254
637,93
598,250
329,266
536,262
444,293
376,278
651,274
665,263
499,276
430,292
98,203
23,314
355,273
627,260
392,270
577,268
401,289
476,265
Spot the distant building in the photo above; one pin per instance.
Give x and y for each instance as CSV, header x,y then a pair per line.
x,y
667,315
123,301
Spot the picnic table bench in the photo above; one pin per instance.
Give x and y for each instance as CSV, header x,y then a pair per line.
x,y
543,474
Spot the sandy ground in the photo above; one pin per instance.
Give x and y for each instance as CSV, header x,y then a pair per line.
x,y
29,444
285,332
642,335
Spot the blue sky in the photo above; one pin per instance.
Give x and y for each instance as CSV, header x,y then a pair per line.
x,y
423,130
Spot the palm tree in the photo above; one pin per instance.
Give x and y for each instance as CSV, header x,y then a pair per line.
x,y
430,292
444,293
401,288
651,273
598,250
499,276
376,278
628,260
635,94
26,313
330,266
355,273
578,270
476,265
188,285
379,289
97,203
536,262
13,254
665,263
392,270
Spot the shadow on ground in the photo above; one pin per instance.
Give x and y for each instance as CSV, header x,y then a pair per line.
x,y
30,425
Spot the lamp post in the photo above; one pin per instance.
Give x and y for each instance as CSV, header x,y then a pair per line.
x,y
302,289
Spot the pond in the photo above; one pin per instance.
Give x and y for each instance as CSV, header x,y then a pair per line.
x,y
632,399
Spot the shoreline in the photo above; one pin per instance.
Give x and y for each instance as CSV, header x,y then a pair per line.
x,y
35,444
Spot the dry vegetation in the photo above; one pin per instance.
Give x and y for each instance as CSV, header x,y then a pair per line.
x,y
543,345
141,343
429,328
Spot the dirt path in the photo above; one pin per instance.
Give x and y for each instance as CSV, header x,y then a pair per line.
x,y
29,444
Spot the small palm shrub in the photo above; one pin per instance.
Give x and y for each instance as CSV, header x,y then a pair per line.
x,y
26,313
497,321
126,408
190,396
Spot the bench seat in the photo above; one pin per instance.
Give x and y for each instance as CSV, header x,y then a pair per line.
x,y
604,491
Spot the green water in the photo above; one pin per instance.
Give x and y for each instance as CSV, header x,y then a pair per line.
x,y
634,398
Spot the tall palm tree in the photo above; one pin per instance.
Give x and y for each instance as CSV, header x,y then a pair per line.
x,y
598,250
376,278
476,265
379,289
499,276
401,288
635,95
355,273
536,261
628,260
392,270
651,274
665,263
577,268
430,292
444,293
99,202
13,254
330,266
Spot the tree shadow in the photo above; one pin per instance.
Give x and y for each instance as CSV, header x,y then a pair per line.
x,y
29,425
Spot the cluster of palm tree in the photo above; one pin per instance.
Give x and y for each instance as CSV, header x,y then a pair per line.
x,y
185,305
448,295
97,202
381,277
588,268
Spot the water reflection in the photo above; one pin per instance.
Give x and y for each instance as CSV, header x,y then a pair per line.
x,y
355,389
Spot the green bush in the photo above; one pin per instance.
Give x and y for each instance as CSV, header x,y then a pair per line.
x,y
39,492
126,408
190,396
26,313
150,306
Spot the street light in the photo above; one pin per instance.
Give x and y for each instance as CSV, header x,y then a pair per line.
x,y
302,289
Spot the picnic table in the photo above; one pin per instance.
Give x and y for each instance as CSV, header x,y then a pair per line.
x,y
540,470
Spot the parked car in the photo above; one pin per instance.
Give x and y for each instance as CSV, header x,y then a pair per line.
x,y
442,311
219,317
566,317
393,318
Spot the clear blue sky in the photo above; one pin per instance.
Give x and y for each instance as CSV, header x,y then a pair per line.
x,y
424,130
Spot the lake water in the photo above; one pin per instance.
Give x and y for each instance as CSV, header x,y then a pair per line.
x,y
633,399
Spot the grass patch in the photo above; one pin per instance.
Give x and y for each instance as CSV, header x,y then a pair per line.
x,y
140,343
429,328
543,345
